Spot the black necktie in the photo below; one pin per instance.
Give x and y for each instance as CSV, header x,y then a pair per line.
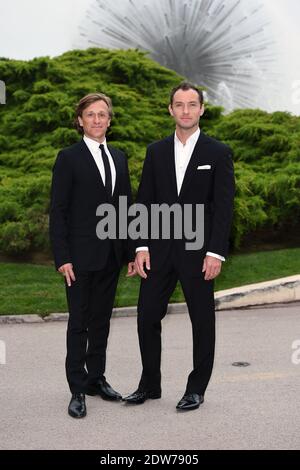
x,y
108,179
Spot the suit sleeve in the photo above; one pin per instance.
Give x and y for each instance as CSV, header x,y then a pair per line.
x,y
146,194
223,196
58,220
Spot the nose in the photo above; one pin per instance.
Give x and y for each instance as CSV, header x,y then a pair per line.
x,y
185,109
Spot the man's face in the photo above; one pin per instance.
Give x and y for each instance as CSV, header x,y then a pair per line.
x,y
186,109
95,120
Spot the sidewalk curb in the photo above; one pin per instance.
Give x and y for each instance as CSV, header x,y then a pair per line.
x,y
279,291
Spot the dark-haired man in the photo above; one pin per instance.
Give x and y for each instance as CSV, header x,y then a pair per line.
x,y
187,167
85,175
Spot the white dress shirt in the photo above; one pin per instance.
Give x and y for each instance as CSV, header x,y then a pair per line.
x,y
93,147
183,153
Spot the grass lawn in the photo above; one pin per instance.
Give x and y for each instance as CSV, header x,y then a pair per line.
x,y
29,288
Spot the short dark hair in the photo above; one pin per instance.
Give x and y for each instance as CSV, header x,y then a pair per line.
x,y
186,86
85,103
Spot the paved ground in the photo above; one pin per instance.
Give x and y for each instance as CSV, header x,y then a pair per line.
x,y
246,408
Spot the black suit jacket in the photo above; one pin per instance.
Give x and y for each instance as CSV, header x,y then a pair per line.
x,y
77,190
214,188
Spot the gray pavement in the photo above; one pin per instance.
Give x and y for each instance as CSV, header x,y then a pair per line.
x,y
256,407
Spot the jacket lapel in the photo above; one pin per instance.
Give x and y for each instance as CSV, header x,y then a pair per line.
x,y
193,163
117,167
170,160
90,161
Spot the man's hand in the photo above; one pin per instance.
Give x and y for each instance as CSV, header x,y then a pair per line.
x,y
141,258
212,267
131,271
67,271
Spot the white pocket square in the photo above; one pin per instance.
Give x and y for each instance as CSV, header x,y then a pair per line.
x,y
204,167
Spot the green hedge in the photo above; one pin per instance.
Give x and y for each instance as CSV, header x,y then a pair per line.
x,y
266,151
38,120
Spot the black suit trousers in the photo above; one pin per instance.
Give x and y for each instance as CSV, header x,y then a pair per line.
x,y
155,292
90,301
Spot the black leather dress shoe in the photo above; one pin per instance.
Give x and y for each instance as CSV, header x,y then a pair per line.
x,y
137,397
190,401
103,389
77,407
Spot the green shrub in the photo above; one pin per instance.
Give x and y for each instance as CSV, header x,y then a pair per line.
x,y
38,120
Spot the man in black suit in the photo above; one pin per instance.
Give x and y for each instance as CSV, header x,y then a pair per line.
x,y
85,175
187,167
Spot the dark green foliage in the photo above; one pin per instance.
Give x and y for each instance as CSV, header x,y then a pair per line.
x,y
37,121
266,151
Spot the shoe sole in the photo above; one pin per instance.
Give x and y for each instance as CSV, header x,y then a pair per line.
x,y
104,397
190,408
187,409
153,397
76,416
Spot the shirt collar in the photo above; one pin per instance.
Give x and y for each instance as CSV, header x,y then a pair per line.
x,y
191,140
93,144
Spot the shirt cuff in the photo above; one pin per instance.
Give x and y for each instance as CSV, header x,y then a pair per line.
x,y
145,248
142,248
214,255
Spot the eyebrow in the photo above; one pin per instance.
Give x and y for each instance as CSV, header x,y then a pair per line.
x,y
189,102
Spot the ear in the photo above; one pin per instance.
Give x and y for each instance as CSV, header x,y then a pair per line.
x,y
109,121
171,110
80,121
202,110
